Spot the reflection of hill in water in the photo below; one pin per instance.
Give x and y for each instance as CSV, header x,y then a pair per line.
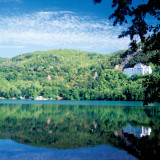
x,y
64,126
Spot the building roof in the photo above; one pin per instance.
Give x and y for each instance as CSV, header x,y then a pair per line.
x,y
139,65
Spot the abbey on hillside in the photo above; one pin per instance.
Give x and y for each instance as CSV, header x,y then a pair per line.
x,y
138,69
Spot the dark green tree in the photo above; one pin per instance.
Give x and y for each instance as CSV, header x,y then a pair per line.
x,y
135,14
152,95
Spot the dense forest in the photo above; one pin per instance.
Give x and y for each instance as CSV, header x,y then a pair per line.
x,y
74,75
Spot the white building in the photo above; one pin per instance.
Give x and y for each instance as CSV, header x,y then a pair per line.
x,y
40,98
138,69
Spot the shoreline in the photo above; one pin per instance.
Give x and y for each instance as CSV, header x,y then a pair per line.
x,y
79,102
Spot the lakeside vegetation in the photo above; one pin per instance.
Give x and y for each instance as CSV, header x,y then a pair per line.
x,y
74,75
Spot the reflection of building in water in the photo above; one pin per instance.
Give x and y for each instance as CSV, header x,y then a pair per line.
x,y
137,131
146,131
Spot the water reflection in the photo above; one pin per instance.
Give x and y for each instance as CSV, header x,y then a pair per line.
x,y
79,126
11,150
138,131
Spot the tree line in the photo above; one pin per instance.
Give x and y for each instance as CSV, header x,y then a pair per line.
x,y
72,75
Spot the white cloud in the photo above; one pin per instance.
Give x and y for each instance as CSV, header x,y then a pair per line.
x,y
17,47
7,1
62,29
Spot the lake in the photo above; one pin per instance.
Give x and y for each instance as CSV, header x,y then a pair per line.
x,y
79,130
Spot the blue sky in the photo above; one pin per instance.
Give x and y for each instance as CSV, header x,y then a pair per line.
x,y
34,25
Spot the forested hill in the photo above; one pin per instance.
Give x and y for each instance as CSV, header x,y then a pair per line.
x,y
3,60
70,74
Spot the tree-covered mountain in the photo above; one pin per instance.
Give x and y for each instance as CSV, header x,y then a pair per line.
x,y
3,60
71,75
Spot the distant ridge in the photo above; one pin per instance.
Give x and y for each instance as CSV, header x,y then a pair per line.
x,y
71,75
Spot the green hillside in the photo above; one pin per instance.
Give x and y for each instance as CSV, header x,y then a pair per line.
x,y
71,75
3,60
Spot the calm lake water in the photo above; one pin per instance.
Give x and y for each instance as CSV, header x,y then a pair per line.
x,y
79,130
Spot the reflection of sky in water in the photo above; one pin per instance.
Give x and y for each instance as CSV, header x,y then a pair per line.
x,y
10,150
138,131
